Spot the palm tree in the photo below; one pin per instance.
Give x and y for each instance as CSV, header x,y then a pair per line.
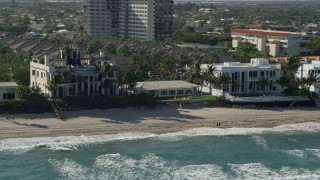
x,y
290,68
282,81
66,75
209,76
221,80
52,85
263,82
312,80
235,86
134,60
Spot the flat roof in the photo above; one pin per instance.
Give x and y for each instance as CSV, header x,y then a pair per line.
x,y
8,84
157,85
263,33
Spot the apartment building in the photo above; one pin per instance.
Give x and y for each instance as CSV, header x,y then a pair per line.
x,y
244,78
275,43
136,19
58,77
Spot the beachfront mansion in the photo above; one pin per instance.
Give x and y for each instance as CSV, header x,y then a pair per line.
x,y
244,78
275,43
70,74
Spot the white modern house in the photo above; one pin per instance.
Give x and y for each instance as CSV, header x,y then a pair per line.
x,y
66,75
166,88
8,90
245,78
275,43
310,67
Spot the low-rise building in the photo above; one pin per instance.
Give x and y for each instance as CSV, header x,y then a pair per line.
x,y
275,43
8,90
246,78
166,88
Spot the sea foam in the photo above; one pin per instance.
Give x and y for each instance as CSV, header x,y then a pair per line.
x,y
150,166
71,142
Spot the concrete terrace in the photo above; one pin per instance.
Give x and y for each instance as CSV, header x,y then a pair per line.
x,y
267,98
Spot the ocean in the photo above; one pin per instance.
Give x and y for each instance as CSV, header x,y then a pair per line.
x,y
282,152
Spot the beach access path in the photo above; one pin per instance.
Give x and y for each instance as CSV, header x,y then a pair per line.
x,y
166,118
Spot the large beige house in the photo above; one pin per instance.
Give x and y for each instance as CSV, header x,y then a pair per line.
x,y
70,75
275,43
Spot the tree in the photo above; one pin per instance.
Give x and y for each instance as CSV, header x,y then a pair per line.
x,y
221,80
315,46
263,82
289,69
110,48
246,51
52,85
134,60
209,76
312,80
282,81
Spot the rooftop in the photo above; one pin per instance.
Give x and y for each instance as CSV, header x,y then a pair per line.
x,y
8,84
263,33
157,85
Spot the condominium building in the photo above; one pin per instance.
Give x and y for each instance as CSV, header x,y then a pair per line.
x,y
245,78
59,77
137,19
275,43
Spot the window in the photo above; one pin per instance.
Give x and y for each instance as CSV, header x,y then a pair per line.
x,y
261,73
38,73
164,93
188,92
253,73
180,92
33,72
172,92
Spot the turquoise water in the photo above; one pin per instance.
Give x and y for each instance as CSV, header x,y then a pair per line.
x,y
283,152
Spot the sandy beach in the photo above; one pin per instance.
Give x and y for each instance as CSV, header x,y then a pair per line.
x,y
167,118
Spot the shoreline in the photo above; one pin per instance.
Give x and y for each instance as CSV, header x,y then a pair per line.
x,y
166,119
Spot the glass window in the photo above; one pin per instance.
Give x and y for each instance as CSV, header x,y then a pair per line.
x,y
172,92
180,92
164,93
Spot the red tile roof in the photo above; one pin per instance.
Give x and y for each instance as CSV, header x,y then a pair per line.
x,y
274,42
237,38
302,58
261,33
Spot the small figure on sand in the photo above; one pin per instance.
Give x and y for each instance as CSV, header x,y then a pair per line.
x,y
179,101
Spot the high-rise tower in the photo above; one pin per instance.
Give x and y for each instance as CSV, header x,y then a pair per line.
x,y
137,19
